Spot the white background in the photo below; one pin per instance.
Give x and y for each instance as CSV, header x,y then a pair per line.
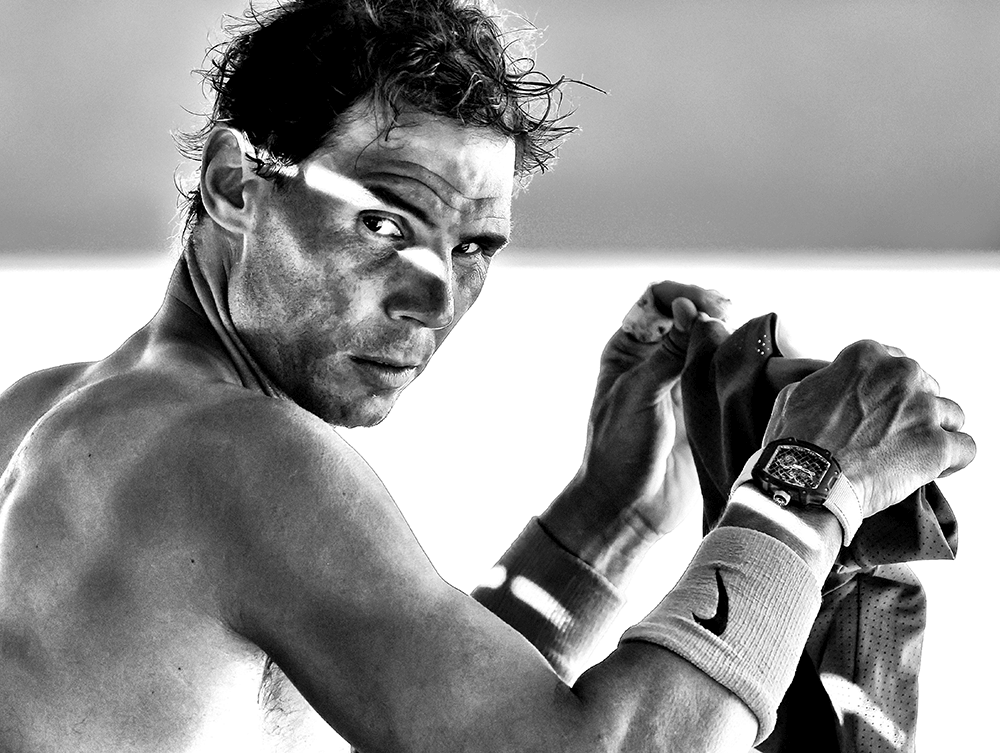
x,y
495,427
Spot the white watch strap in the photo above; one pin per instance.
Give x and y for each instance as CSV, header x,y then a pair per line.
x,y
843,500
845,504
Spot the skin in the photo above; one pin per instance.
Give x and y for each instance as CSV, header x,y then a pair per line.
x,y
176,513
369,256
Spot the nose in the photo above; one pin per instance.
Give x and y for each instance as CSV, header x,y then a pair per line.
x,y
423,287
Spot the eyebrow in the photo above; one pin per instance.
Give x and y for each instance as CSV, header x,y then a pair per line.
x,y
393,199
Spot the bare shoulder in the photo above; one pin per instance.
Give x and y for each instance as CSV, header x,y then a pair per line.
x,y
217,448
29,398
273,458
183,452
256,445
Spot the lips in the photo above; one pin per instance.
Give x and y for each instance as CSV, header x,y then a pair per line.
x,y
389,362
384,373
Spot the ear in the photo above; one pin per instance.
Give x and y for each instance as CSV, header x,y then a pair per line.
x,y
229,186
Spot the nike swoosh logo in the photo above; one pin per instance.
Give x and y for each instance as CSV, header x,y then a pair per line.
x,y
716,624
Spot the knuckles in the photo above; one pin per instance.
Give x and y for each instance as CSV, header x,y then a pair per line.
x,y
863,351
874,364
928,406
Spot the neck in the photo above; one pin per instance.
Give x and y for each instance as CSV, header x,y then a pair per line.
x,y
202,291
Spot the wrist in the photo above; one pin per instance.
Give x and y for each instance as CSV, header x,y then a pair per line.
x,y
802,474
613,544
814,533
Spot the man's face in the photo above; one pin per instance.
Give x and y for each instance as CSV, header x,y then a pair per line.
x,y
355,271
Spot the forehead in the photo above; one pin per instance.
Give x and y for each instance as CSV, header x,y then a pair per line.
x,y
468,169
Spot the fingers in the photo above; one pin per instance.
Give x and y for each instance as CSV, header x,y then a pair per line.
x,y
684,312
960,447
670,305
950,414
712,302
869,354
623,351
634,343
896,377
666,361
962,451
676,343
702,327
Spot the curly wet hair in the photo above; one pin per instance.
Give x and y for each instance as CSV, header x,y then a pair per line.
x,y
285,75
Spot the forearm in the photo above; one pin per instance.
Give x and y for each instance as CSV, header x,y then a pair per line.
x,y
646,698
561,583
552,597
614,550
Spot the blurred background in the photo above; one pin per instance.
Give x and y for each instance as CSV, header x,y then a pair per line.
x,y
765,123
835,162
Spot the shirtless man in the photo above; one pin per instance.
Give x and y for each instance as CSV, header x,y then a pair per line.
x,y
180,520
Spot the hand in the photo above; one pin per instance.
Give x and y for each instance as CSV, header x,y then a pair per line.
x,y
637,478
882,417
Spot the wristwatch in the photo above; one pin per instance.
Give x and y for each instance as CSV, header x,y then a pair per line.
x,y
790,471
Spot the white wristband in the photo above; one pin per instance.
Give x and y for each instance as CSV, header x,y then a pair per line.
x,y
740,613
843,500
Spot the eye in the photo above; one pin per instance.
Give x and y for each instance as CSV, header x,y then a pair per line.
x,y
382,226
470,248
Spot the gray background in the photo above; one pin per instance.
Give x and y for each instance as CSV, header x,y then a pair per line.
x,y
765,123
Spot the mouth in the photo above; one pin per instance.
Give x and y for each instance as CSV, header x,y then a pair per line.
x,y
385,373
389,363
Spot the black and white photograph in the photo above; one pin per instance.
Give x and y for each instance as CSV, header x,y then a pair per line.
x,y
706,467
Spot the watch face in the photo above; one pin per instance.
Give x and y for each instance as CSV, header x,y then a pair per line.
x,y
798,466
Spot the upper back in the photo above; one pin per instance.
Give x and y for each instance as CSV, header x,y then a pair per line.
x,y
101,595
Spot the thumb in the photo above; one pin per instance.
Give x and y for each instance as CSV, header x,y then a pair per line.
x,y
666,363
683,312
705,327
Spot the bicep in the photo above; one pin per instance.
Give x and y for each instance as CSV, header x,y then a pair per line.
x,y
323,573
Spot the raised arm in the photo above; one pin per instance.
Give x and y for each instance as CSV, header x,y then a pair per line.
x,y
560,583
317,567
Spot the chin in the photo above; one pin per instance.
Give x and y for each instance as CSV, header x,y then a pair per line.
x,y
363,412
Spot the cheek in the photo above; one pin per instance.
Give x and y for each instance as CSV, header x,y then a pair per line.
x,y
469,283
277,291
300,277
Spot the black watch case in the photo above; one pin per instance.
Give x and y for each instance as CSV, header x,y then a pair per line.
x,y
796,472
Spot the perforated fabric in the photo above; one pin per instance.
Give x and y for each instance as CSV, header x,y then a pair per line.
x,y
866,645
856,687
